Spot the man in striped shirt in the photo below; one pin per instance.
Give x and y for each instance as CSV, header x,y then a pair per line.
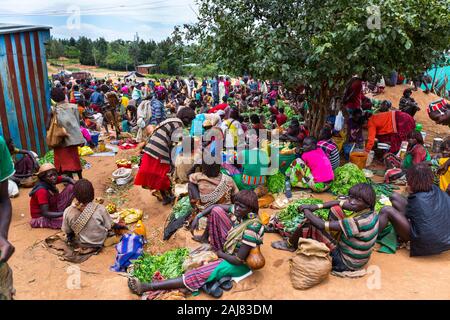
x,y
350,238
329,147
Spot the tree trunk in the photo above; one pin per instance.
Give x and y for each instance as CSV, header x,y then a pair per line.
x,y
319,110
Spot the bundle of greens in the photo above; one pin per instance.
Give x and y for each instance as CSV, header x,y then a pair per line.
x,y
169,264
182,208
135,159
383,189
346,177
47,158
276,182
288,111
291,218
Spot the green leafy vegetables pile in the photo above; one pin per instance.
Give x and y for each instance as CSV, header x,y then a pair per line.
x,y
290,217
182,208
288,111
346,177
169,264
276,183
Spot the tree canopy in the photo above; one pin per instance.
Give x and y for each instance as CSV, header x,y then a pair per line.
x,y
321,43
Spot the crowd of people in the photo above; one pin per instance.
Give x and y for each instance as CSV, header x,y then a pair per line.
x,y
217,136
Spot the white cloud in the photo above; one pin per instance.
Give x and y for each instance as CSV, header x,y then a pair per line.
x,y
91,31
152,19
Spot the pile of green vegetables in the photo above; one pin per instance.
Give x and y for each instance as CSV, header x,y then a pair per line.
x,y
169,264
291,218
135,159
288,111
49,157
276,182
182,208
346,177
382,189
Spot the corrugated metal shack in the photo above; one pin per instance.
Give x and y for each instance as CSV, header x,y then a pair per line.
x,y
24,85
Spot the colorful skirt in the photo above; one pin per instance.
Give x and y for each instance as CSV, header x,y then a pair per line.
x,y
214,271
219,224
67,159
300,176
44,222
152,174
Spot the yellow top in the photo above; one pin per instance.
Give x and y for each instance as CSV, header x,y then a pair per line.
x,y
444,180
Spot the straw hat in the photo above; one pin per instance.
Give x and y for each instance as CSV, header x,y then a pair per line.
x,y
45,167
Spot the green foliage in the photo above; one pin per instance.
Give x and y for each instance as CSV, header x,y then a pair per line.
x,y
86,51
346,177
291,218
182,208
169,264
122,55
157,76
276,183
118,56
320,43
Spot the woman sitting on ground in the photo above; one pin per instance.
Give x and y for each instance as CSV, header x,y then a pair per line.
x,y
422,218
312,170
211,187
47,204
350,239
442,162
233,244
85,222
25,167
328,146
416,153
391,127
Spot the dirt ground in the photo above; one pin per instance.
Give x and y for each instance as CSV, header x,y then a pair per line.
x,y
38,274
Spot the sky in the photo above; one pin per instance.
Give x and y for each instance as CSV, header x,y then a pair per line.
x,y
111,19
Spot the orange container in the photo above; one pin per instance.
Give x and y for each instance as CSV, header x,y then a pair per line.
x,y
359,158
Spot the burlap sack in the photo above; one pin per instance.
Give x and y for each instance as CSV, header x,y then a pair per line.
x,y
310,265
6,282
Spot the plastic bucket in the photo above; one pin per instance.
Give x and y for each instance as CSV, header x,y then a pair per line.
x,y
94,137
359,158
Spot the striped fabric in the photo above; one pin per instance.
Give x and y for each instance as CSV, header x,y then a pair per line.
x,y
253,181
438,105
358,237
159,143
129,248
331,150
219,225
195,279
253,235
158,111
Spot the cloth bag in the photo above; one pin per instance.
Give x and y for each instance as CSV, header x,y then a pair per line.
x,y
310,265
56,133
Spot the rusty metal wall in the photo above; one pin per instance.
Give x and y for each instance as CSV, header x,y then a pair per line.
x,y
24,89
